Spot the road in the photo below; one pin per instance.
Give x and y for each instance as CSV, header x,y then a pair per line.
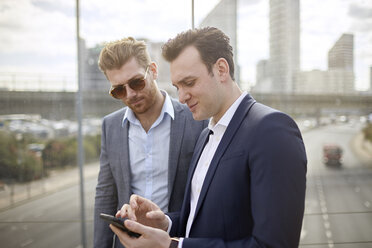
x,y
338,209
50,221
338,204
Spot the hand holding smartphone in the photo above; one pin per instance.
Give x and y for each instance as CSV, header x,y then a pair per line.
x,y
118,222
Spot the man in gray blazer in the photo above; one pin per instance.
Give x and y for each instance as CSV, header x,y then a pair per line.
x,y
147,146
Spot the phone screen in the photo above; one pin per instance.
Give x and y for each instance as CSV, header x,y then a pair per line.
x,y
118,222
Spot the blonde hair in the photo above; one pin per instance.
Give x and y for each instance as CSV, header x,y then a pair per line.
x,y
116,53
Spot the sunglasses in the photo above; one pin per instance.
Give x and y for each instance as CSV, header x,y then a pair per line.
x,y
137,84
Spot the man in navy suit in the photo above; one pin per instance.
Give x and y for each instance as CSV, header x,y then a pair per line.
x,y
247,178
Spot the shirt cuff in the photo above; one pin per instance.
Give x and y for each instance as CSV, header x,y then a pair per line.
x,y
169,228
180,243
170,224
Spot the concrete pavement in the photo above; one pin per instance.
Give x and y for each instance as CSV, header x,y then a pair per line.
x,y
362,148
18,193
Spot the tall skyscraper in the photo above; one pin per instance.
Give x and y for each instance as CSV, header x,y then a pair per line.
x,y
284,44
341,55
341,64
224,17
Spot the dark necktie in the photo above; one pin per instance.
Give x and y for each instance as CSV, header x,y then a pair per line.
x,y
207,139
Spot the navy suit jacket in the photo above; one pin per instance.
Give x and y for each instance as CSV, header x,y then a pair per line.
x,y
254,191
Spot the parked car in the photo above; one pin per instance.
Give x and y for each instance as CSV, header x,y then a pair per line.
x,y
332,155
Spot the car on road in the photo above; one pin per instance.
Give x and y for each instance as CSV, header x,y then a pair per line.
x,y
332,155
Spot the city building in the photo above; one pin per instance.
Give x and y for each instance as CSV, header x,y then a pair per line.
x,y
324,82
93,79
284,44
311,82
224,17
281,73
341,66
341,55
263,79
338,79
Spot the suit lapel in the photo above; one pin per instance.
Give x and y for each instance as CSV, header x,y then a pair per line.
x,y
176,136
233,126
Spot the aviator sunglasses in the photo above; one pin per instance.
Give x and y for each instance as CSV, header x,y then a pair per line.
x,y
136,84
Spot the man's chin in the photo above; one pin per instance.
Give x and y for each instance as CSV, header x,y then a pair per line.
x,y
196,116
137,109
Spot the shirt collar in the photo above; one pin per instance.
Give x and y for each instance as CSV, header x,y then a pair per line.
x,y
167,108
226,118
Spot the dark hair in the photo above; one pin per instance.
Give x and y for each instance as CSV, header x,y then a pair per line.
x,y
210,42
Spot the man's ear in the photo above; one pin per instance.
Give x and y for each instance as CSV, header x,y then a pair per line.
x,y
223,69
154,70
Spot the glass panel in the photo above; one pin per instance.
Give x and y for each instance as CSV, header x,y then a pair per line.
x,y
309,59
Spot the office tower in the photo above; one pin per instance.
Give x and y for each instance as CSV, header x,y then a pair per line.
x,y
284,44
341,65
263,80
338,79
93,78
224,17
341,56
311,82
331,82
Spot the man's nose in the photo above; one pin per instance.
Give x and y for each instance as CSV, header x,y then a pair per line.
x,y
130,91
183,96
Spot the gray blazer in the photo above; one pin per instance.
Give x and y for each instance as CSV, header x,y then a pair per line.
x,y
113,187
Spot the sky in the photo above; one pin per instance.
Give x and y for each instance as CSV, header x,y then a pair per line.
x,y
39,36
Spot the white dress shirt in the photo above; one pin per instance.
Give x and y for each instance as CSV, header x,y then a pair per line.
x,y
207,156
149,153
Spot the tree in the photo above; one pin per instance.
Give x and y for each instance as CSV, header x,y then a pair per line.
x,y
16,162
368,132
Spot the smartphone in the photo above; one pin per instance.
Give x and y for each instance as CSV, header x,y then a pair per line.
x,y
118,222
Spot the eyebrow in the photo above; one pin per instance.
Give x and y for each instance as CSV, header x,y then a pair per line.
x,y
135,77
184,80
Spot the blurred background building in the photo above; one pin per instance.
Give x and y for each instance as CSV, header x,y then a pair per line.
x,y
341,54
284,62
282,74
93,78
263,77
284,44
338,79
